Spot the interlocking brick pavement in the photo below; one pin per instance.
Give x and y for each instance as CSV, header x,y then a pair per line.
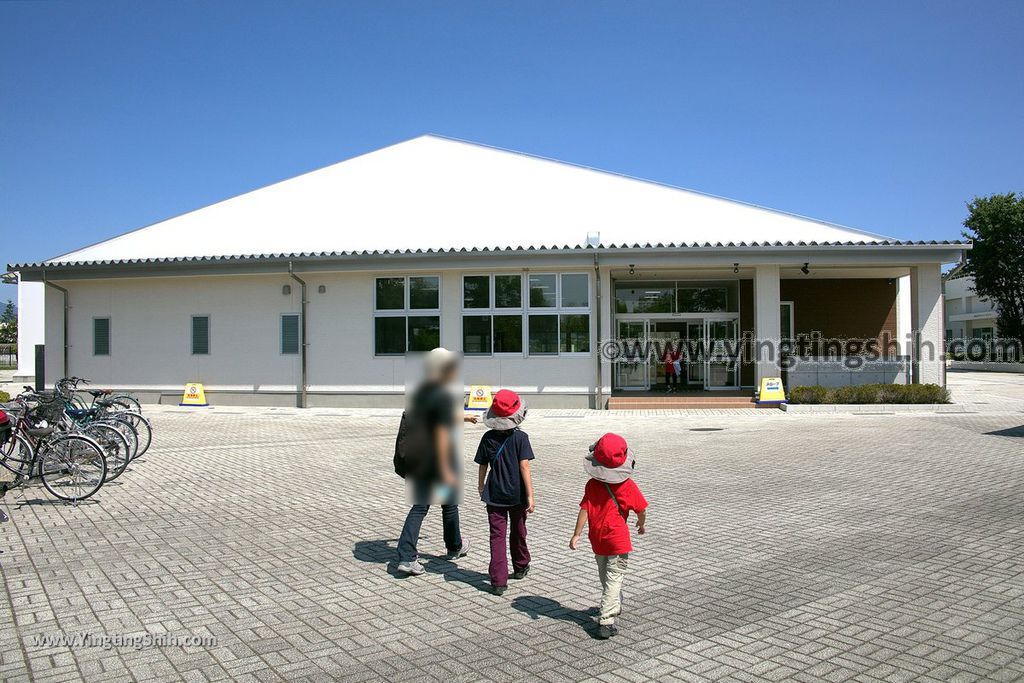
x,y
782,547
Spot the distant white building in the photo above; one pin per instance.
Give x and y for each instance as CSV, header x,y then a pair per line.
x,y
967,315
315,290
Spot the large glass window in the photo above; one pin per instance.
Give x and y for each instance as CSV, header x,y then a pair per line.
x,y
721,296
575,290
543,331
574,333
476,334
476,291
390,293
389,335
406,314
644,297
557,319
543,292
508,291
508,334
423,292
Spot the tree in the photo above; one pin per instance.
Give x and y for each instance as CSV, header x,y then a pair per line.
x,y
996,226
9,325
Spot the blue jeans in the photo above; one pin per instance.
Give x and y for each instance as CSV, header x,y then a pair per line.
x,y
411,531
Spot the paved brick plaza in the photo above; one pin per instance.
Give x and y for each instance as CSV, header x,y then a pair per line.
x,y
781,547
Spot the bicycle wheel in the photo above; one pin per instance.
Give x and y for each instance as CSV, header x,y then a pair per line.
x,y
142,426
116,448
72,466
17,455
128,432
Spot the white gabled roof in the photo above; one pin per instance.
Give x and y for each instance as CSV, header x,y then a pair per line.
x,y
439,193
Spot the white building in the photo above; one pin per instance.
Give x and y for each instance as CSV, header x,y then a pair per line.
x,y
968,316
314,290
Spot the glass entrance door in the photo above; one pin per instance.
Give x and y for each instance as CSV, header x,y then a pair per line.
x,y
721,366
632,370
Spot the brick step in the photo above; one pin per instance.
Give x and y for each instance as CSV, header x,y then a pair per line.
x,y
669,402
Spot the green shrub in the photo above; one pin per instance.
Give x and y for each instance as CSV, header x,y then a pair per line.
x,y
870,394
4,397
926,393
812,394
844,395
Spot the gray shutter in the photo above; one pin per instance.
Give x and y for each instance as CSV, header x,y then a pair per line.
x,y
290,334
101,336
200,335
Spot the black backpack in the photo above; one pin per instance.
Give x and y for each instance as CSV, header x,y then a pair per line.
x,y
412,448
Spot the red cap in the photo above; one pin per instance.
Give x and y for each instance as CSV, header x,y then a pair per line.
x,y
505,403
610,450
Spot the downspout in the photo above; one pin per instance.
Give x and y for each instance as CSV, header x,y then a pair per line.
x,y
597,321
302,336
67,371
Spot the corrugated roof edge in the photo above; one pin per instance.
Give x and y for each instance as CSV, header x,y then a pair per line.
x,y
486,250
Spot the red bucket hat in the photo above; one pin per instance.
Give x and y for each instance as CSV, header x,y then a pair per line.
x,y
506,411
610,460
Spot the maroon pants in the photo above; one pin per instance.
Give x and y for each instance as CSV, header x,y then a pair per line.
x,y
499,519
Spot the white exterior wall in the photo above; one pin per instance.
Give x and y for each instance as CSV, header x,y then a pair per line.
x,y
31,328
150,347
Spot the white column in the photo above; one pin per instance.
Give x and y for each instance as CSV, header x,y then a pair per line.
x,y
926,318
31,328
767,321
904,316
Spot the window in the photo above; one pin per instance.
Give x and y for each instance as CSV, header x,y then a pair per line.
x,y
508,334
574,333
290,334
101,336
476,291
557,319
200,335
786,320
683,296
542,291
575,290
543,334
406,314
508,291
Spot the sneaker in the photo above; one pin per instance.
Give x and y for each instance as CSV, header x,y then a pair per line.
x,y
461,552
499,590
521,573
606,631
413,568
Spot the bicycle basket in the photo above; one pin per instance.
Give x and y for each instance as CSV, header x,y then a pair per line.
x,y
50,410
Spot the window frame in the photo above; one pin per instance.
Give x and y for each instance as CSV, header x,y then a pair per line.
x,y
405,312
298,333
192,335
110,336
491,311
525,310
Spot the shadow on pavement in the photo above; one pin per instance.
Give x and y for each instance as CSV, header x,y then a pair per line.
x,y
536,607
385,551
1009,431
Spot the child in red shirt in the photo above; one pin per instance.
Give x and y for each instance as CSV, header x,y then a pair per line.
x,y
609,497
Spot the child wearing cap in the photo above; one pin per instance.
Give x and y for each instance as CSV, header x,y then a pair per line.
x,y
609,497
505,485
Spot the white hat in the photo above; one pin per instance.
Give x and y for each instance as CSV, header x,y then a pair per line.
x,y
439,359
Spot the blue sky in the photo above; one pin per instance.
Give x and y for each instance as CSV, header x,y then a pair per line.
x,y
885,116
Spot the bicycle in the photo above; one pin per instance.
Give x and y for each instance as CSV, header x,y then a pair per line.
x,y
71,466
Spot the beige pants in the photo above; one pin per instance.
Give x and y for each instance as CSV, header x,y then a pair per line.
x,y
611,569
